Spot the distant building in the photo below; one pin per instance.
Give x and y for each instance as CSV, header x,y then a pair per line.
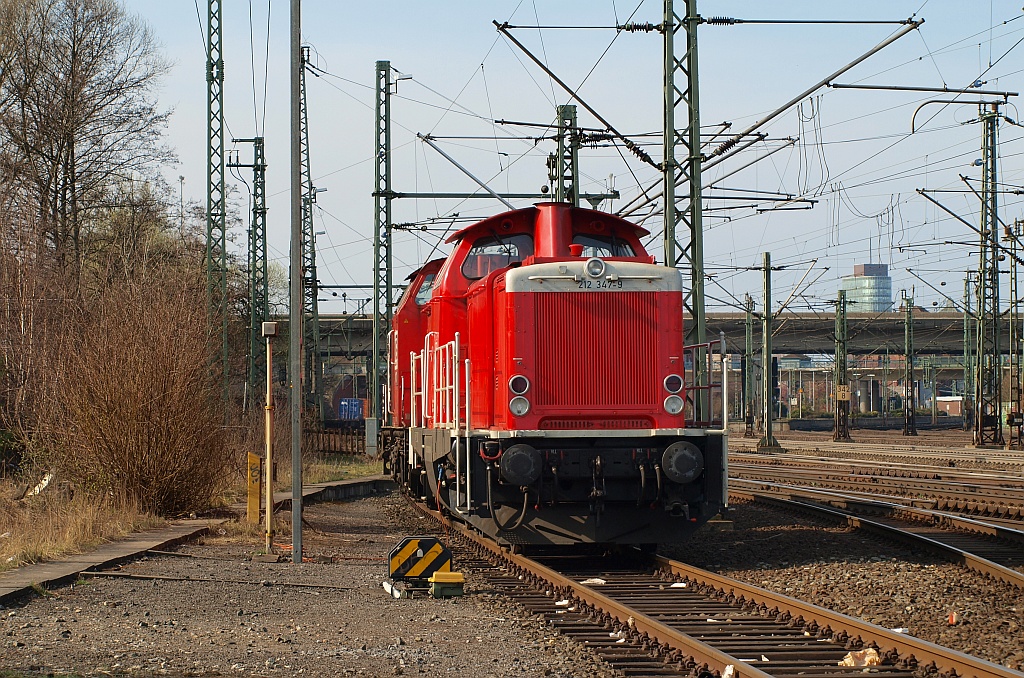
x,y
870,288
795,362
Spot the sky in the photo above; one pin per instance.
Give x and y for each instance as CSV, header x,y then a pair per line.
x,y
855,167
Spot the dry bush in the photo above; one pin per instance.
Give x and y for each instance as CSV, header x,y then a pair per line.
x,y
55,524
140,418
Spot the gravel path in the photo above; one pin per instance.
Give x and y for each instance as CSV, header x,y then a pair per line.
x,y
266,627
858,575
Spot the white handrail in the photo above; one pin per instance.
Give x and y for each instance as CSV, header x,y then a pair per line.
x,y
469,449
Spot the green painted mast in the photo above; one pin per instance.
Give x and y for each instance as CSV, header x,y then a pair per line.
x,y
988,425
216,228
567,172
382,292
840,380
909,397
679,216
259,304
312,389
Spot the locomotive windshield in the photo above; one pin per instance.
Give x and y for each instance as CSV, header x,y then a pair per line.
x,y
426,289
491,253
603,246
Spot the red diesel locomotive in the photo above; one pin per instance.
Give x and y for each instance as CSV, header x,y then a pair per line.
x,y
540,377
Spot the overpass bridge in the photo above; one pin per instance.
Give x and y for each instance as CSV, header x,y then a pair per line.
x,y
935,333
346,343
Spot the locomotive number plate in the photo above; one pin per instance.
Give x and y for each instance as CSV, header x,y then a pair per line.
x,y
588,284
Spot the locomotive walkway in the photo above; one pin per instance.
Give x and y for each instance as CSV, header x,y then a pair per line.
x,y
22,581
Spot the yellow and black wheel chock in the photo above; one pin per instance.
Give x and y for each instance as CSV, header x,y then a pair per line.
x,y
422,563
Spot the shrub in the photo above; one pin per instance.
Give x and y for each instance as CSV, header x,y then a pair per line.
x,y
138,417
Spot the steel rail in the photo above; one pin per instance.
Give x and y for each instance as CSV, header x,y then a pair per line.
x,y
896,646
908,470
643,624
914,451
967,510
953,486
870,504
818,445
991,502
647,627
884,470
946,551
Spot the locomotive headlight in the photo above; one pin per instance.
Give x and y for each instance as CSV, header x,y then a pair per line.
x,y
673,404
673,383
519,384
519,406
594,267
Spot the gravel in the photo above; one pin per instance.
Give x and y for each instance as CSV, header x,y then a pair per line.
x,y
268,627
882,583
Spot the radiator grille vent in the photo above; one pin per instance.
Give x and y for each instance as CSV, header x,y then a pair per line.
x,y
596,349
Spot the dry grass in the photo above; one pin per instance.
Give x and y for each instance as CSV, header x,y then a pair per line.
x,y
338,467
53,525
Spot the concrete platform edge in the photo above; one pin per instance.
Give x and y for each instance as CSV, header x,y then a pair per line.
x,y
75,565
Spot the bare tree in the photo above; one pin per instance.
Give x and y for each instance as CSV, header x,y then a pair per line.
x,y
81,79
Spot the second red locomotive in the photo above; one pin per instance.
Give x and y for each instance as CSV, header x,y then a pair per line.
x,y
540,376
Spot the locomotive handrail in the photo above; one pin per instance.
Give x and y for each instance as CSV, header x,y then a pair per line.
x,y
458,456
428,410
415,414
442,383
392,368
691,387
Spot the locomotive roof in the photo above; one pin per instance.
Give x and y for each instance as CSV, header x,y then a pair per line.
x,y
433,263
489,223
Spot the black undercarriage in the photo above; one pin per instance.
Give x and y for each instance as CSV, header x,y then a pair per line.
x,y
561,491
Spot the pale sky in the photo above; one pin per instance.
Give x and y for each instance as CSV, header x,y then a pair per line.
x,y
855,156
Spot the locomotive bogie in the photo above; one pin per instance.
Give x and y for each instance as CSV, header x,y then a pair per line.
x,y
536,491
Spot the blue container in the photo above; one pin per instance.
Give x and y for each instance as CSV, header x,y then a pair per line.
x,y
350,409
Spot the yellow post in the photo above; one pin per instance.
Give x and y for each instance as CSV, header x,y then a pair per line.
x,y
269,331
252,506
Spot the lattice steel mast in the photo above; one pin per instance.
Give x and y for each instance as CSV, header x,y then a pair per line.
x,y
680,215
988,429
840,380
216,228
748,370
909,397
382,292
311,368
1014,418
567,160
767,385
259,304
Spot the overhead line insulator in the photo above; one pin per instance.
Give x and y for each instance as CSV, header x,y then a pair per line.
x,y
723,21
646,27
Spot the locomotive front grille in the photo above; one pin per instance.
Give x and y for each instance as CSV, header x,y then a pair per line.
x,y
595,350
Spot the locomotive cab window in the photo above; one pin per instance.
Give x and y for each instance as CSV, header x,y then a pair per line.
x,y
490,253
426,289
603,246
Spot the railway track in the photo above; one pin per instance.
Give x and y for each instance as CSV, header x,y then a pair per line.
x,y
651,616
936,454
992,550
981,494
